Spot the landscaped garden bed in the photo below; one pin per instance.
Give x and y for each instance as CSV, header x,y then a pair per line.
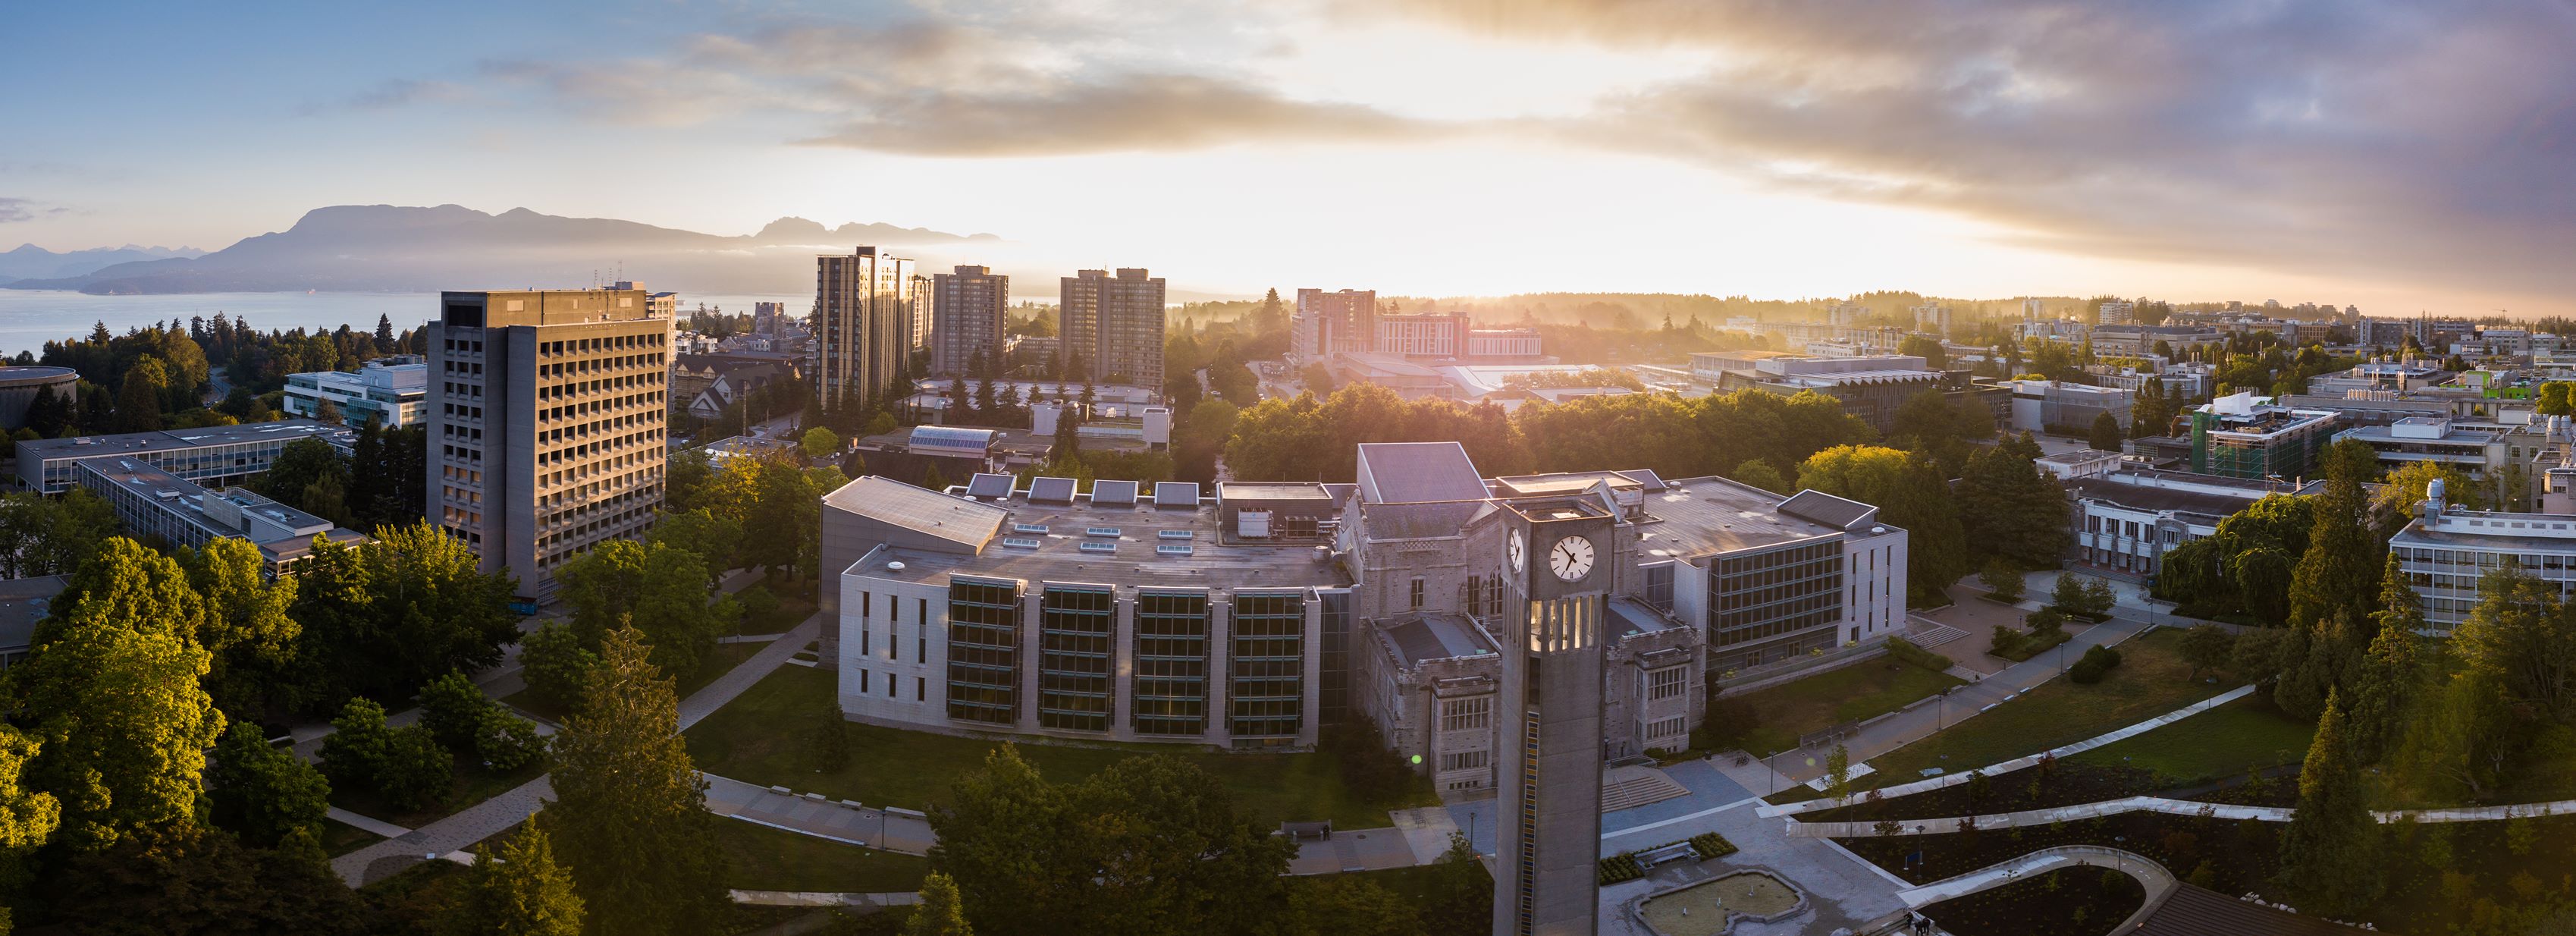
x,y
2060,902
2228,856
2045,786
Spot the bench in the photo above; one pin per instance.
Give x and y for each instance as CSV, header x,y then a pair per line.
x,y
1306,830
1662,853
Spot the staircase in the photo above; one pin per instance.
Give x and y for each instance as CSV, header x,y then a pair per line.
x,y
1928,634
1631,787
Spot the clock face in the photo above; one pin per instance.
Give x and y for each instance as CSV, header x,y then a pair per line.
x,y
1517,550
1571,560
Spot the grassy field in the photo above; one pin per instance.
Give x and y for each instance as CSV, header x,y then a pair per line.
x,y
2151,680
764,738
763,858
1779,714
339,838
2248,734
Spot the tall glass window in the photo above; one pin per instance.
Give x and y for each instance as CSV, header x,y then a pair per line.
x,y
983,650
1074,627
1266,679
1759,595
1171,682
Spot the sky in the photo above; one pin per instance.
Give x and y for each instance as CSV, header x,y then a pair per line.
x,y
2400,156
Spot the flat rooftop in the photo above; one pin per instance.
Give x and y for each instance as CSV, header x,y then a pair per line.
x,y
1130,544
1713,515
1416,639
133,443
23,604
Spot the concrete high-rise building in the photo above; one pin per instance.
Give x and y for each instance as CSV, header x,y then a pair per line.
x,y
1112,327
1424,335
2114,313
863,316
1331,323
545,413
967,317
916,316
1557,557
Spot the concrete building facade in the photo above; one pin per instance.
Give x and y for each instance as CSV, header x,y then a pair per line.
x,y
1112,327
546,417
19,385
2243,436
151,502
864,308
968,318
215,456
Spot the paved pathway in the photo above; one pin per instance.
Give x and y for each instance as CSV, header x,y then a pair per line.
x,y
449,836
824,899
812,814
2176,807
377,826
2157,881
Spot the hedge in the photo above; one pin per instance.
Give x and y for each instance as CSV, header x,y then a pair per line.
x,y
1711,845
1621,867
2031,645
1906,651
2096,663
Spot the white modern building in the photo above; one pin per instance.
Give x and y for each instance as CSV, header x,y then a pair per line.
x,y
2445,550
2057,406
2471,451
1134,613
2126,520
389,391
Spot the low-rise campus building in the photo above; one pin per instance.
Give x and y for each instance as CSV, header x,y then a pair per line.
x,y
151,503
386,391
1130,612
214,455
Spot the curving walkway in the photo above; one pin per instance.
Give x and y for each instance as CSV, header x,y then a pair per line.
x,y
2159,883
2174,807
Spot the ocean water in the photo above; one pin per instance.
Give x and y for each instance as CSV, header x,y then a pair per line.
x,y
31,317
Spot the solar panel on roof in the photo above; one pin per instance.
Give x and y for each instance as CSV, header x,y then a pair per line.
x,y
1174,534
1111,532
1039,528
1174,549
1176,494
1113,492
1058,490
1019,542
1100,546
989,485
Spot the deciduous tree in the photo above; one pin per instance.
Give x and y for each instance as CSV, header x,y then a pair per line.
x,y
261,793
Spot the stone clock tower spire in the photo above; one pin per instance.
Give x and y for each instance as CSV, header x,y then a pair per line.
x,y
1557,557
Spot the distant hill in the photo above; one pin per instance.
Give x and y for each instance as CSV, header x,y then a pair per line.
x,y
390,248
32,262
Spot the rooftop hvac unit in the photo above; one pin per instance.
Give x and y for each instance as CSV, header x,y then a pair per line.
x,y
1252,524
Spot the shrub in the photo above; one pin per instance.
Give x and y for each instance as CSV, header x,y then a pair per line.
x,y
506,742
359,742
2004,641
1711,845
2096,663
2043,621
1905,651
1621,867
831,743
759,609
417,773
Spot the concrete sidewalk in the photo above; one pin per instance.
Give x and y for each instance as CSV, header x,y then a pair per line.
x,y
824,899
812,814
2153,876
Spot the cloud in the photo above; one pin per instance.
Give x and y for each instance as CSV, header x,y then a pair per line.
x,y
2419,139
24,209
1031,81
387,95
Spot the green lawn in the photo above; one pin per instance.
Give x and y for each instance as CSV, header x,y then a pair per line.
x,y
2248,734
340,838
763,858
1773,718
763,738
2151,680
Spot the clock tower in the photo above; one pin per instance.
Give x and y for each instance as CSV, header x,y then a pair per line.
x,y
1558,556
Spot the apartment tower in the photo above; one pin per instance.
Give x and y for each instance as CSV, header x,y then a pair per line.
x,y
863,322
1112,327
545,414
1558,555
966,318
1331,323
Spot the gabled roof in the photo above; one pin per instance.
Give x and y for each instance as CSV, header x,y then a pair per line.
x,y
1836,512
1417,473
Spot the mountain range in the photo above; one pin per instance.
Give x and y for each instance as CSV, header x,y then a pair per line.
x,y
32,262
391,248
